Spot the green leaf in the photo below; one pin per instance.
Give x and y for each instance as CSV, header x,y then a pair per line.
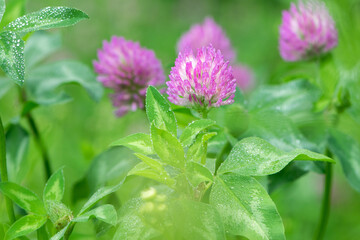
x,y
12,56
39,46
23,197
105,213
144,170
130,226
347,150
43,82
2,9
159,111
196,220
14,9
197,173
193,129
293,99
50,17
237,112
167,147
59,235
111,165
153,163
138,142
55,187
97,196
279,130
198,151
246,208
25,225
17,145
254,156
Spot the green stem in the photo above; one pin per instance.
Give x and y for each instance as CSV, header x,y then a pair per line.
x,y
219,159
205,113
69,231
325,209
42,234
40,144
38,140
3,172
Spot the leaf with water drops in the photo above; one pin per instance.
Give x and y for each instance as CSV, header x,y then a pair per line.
x,y
50,17
23,197
245,208
2,9
254,156
138,142
193,129
159,112
12,56
167,147
25,225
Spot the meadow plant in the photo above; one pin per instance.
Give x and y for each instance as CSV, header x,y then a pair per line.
x,y
211,157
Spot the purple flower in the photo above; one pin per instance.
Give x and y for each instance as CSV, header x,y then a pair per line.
x,y
201,81
307,31
128,69
208,33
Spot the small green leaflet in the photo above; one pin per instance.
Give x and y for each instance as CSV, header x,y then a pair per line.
x,y
2,9
138,142
55,187
159,111
198,151
25,225
254,156
23,197
12,56
246,208
144,170
167,147
193,129
50,17
97,196
105,213
347,150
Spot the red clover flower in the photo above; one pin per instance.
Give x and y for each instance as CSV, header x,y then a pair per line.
x,y
128,69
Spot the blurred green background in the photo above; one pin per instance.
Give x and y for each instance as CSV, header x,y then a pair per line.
x,y
77,131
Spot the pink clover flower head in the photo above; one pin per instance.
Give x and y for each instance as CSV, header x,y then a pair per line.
x,y
307,31
201,35
201,81
128,69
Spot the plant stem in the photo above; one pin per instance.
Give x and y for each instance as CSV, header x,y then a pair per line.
x,y
40,144
38,140
69,231
204,113
325,208
3,172
219,158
